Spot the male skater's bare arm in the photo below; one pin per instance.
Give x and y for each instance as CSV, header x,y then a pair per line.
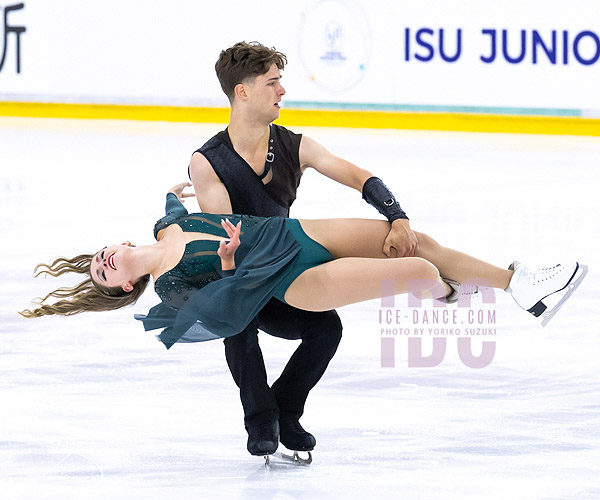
x,y
210,192
401,241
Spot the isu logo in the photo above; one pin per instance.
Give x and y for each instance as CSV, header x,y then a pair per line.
x,y
335,44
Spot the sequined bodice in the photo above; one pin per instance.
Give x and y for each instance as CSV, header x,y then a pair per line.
x,y
200,263
196,304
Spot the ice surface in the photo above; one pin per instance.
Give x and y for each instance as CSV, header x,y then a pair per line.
x,y
92,407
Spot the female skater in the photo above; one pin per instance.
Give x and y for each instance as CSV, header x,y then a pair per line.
x,y
213,274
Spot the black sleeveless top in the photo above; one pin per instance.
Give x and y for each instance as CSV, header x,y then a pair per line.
x,y
246,190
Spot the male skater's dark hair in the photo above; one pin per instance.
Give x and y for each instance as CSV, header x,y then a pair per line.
x,y
245,61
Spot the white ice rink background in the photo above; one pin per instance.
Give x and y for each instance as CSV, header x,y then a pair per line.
x,y
92,407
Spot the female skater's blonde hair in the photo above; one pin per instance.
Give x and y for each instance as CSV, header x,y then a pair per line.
x,y
86,296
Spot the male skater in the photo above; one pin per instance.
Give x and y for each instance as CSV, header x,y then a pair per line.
x,y
254,167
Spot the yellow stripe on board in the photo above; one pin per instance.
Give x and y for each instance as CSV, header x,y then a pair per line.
x,y
464,122
115,112
461,122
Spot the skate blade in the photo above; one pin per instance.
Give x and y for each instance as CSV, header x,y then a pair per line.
x,y
295,459
572,286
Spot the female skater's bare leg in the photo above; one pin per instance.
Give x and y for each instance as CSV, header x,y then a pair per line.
x,y
365,238
460,266
349,280
529,287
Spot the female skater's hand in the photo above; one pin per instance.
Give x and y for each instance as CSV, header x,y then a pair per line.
x,y
178,191
401,241
227,249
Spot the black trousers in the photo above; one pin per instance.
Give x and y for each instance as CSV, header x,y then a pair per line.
x,y
320,332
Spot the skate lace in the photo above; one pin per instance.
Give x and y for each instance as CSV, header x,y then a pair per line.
x,y
542,274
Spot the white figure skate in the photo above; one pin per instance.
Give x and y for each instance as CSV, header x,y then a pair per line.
x,y
530,287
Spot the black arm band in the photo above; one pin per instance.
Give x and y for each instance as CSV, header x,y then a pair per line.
x,y
376,193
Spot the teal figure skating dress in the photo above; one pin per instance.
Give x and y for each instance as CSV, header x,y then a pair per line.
x,y
200,301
